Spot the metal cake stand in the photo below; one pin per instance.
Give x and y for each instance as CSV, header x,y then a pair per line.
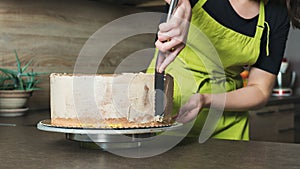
x,y
107,137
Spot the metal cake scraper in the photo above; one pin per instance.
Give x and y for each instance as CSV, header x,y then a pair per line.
x,y
159,77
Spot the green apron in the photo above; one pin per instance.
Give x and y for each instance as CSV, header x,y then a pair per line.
x,y
211,62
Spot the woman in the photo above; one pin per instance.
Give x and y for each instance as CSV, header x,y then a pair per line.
x,y
243,32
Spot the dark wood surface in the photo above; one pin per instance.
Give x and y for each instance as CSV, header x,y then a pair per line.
x,y
23,146
276,100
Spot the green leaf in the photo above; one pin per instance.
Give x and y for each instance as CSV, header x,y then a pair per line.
x,y
26,66
8,71
19,84
18,62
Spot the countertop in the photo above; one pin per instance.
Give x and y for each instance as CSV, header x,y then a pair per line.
x,y
24,146
274,100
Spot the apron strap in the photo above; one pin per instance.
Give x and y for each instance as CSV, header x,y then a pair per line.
x,y
268,38
261,26
261,21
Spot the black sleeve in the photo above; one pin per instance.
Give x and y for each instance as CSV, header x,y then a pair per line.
x,y
278,20
193,2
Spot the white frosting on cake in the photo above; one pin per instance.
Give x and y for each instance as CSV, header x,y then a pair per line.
x,y
127,95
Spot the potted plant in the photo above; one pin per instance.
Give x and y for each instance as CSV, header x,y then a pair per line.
x,y
16,86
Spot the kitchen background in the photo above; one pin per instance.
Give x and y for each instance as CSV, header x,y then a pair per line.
x,y
292,54
52,33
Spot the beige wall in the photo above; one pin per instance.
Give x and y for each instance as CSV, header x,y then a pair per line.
x,y
52,32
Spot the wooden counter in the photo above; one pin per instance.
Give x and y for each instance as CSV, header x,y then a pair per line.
x,y
23,146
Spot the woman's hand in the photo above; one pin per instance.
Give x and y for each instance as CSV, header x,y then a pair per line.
x,y
253,96
190,110
173,34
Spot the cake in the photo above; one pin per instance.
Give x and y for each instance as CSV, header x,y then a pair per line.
x,y
108,100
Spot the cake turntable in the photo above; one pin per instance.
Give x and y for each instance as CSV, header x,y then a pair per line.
x,y
104,138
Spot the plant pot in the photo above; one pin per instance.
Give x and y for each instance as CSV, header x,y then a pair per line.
x,y
14,101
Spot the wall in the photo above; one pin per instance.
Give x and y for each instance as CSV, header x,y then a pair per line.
x,y
293,55
52,33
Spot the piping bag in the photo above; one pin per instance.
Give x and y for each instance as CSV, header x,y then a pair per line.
x,y
160,77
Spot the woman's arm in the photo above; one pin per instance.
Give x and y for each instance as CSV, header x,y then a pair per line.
x,y
253,96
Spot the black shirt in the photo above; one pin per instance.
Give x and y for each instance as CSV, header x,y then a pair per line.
x,y
276,16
